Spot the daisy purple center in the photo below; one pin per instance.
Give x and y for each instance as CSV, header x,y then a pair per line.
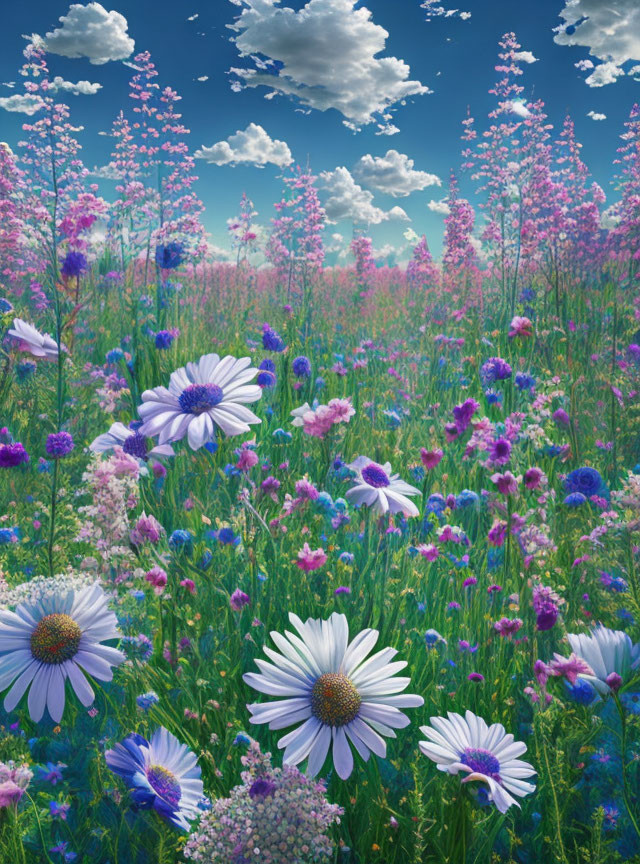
x,y
55,639
482,761
136,445
198,398
164,784
335,700
375,475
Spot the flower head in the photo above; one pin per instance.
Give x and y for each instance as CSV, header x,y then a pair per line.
x,y
131,441
329,687
32,341
162,774
53,636
485,753
202,396
607,652
376,487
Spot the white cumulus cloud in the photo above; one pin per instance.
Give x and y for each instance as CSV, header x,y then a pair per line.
x,y
348,200
326,55
80,88
251,145
22,104
610,30
525,57
596,116
90,31
393,174
440,207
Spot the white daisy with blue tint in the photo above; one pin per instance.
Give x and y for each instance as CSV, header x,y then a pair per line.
x,y
611,655
131,441
162,774
32,341
202,396
329,686
484,753
54,635
376,487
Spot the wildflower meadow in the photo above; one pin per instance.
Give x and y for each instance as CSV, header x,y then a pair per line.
x,y
310,559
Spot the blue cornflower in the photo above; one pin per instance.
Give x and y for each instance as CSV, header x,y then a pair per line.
x,y
586,480
227,537
301,367
25,370
114,356
272,340
169,257
467,498
181,539
147,700
162,774
164,339
73,265
524,381
576,499
581,692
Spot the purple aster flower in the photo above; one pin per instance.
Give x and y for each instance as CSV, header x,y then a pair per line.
x,y
59,445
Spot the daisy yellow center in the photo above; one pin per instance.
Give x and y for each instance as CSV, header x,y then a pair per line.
x,y
55,639
198,398
164,784
482,761
335,700
375,475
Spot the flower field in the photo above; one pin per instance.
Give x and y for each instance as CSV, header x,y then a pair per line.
x,y
304,563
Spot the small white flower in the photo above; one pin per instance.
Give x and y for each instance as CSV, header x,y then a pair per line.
x,y
200,397
131,441
381,490
53,637
32,341
298,414
608,652
333,691
484,753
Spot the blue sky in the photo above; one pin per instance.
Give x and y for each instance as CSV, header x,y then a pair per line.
x,y
463,52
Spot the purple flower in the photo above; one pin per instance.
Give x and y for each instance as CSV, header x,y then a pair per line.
x,y
495,369
12,455
500,451
73,265
59,444
238,600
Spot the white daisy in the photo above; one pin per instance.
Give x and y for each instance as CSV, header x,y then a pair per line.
x,y
609,653
53,636
162,774
200,397
329,687
485,753
31,340
381,490
131,441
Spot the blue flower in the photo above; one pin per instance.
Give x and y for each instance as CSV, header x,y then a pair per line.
x,y
524,381
272,340
241,740
227,537
181,539
25,370
164,339
170,256
147,700
114,356
301,367
576,499
581,692
74,264
585,480
162,774
467,498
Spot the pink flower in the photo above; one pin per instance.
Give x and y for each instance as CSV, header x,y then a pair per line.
x,y
569,667
309,559
533,477
158,578
428,551
189,585
247,459
507,626
430,458
521,326
507,484
146,528
10,793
